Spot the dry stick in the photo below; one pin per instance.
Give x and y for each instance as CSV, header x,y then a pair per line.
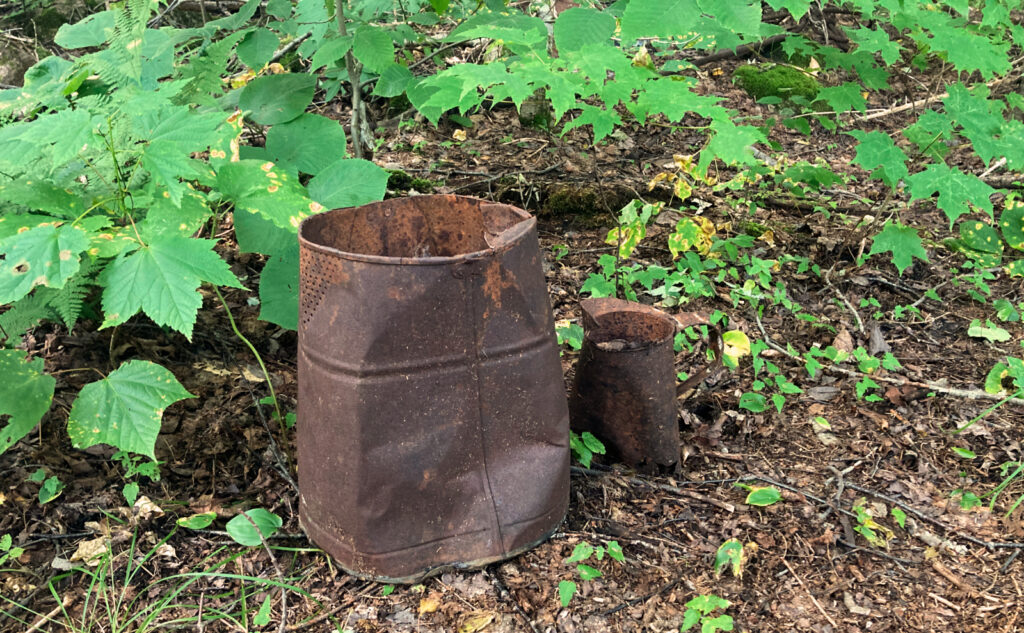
x,y
913,105
990,545
740,51
281,52
534,172
811,595
49,616
199,618
970,394
842,297
280,575
1009,561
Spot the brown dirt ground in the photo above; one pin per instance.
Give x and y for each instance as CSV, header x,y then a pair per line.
x,y
947,570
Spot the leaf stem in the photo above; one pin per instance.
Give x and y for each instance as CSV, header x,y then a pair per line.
x,y
259,359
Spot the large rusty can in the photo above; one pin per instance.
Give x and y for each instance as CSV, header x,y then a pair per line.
x,y
433,422
624,390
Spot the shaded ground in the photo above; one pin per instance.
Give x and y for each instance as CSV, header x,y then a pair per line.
x,y
947,569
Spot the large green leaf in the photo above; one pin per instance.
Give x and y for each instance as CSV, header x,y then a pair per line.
x,y
90,31
43,196
876,41
796,8
124,409
247,527
1011,221
374,48
262,188
576,28
257,48
674,97
393,81
279,289
274,99
168,164
330,51
256,234
42,256
902,241
164,218
308,143
658,18
740,17
25,395
348,183
162,279
602,120
969,52
957,191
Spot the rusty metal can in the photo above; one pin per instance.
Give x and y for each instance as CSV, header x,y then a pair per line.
x,y
624,391
433,424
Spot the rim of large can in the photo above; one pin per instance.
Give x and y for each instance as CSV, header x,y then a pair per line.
x,y
505,240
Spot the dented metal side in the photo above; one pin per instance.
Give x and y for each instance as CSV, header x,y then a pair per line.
x,y
624,388
433,426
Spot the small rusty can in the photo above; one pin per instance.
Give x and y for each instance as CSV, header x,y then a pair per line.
x,y
433,424
625,384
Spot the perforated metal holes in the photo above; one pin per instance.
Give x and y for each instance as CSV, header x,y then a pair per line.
x,y
318,273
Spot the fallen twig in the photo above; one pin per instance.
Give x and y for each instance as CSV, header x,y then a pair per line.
x,y
813,599
49,616
990,545
969,394
739,51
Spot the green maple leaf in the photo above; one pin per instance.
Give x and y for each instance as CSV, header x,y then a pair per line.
x,y
980,117
42,256
876,41
902,241
603,121
169,164
741,18
730,144
970,52
844,98
675,99
124,409
671,18
162,279
877,154
956,190
25,395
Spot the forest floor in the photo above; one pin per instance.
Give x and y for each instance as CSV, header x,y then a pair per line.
x,y
945,569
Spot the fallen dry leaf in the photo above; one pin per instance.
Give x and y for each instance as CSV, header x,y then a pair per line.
x,y
91,551
476,622
430,604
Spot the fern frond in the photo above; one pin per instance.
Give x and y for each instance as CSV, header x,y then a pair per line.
x,y
67,302
205,71
23,315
